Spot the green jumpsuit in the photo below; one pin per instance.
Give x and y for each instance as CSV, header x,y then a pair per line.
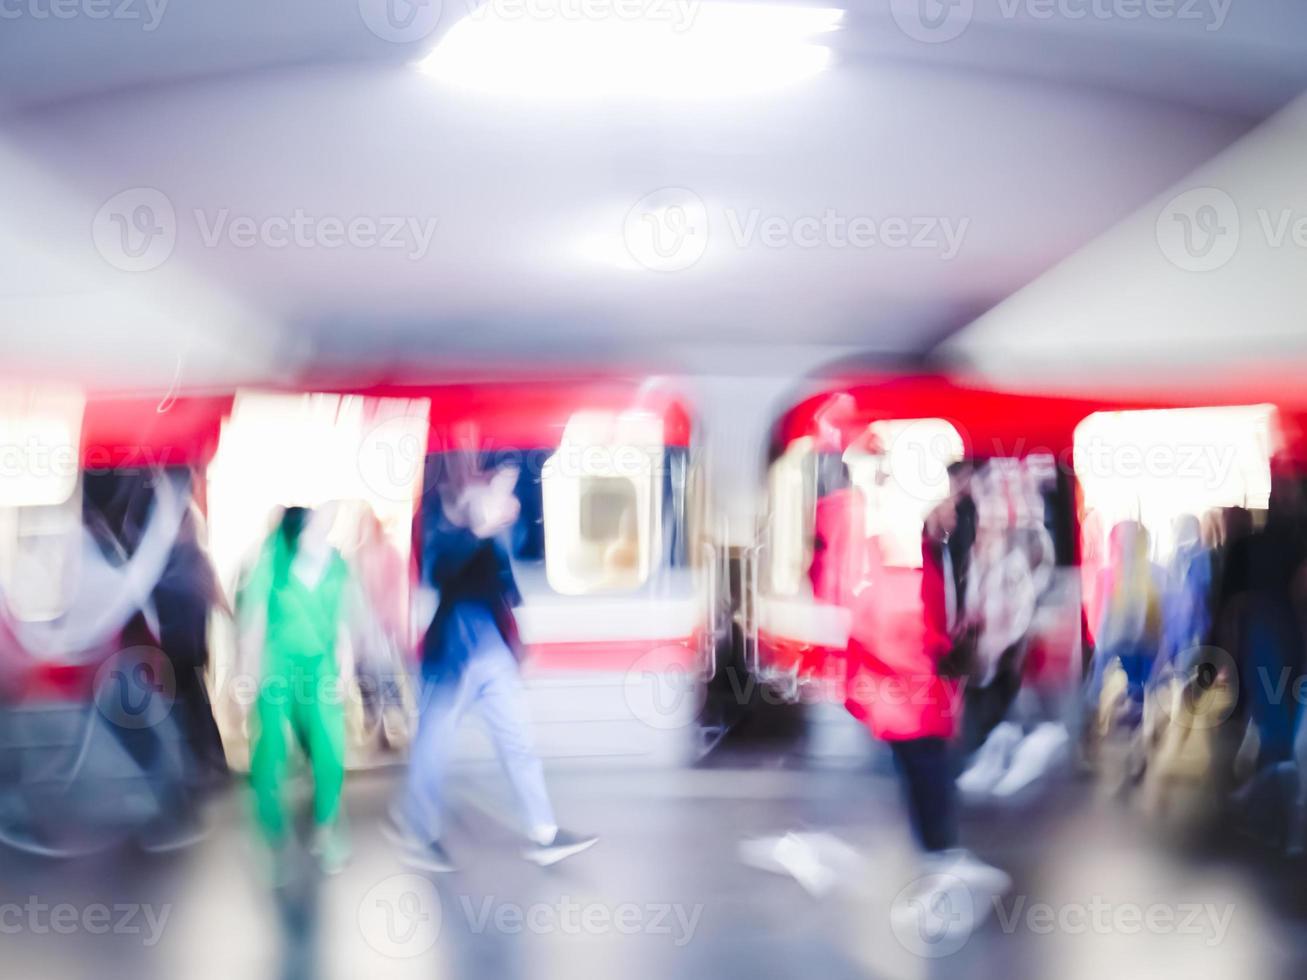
x,y
299,692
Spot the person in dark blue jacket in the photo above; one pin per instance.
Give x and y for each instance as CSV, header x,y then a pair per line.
x,y
470,662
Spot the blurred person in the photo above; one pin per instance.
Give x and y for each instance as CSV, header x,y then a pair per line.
x,y
181,603
998,608
1260,602
1263,588
1187,600
1014,723
470,662
899,642
381,627
1129,632
1093,559
176,619
109,567
292,612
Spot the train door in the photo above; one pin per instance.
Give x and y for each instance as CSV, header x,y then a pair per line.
x,y
899,529
359,458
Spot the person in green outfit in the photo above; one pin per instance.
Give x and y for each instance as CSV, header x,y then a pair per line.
x,y
293,609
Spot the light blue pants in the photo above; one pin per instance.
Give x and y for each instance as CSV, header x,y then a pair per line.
x,y
490,685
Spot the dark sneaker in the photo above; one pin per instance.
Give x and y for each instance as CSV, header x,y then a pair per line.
x,y
564,845
415,852
429,857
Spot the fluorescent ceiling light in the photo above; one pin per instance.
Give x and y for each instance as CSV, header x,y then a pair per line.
x,y
631,48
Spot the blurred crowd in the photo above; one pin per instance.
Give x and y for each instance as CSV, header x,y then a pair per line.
x,y
995,657
1194,687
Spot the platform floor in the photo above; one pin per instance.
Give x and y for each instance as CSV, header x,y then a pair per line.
x,y
665,893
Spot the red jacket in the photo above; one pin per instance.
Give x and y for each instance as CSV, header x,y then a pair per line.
x,y
898,634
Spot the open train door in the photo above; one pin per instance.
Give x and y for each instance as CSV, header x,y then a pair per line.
x,y
359,455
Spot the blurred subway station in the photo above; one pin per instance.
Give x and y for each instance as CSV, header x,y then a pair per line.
x,y
642,488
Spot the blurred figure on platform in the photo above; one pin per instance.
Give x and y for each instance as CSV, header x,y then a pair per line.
x,y
1129,632
92,584
1263,588
899,642
1187,600
187,592
381,629
1014,729
470,660
292,614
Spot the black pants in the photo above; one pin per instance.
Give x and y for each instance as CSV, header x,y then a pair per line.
x,y
926,769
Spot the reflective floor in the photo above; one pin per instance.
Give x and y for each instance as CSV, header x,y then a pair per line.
x,y
666,892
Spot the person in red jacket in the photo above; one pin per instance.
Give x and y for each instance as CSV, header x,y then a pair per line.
x,y
898,639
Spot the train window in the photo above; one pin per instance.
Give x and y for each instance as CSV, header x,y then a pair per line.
x,y
1168,468
609,502
38,561
901,468
603,502
40,503
40,439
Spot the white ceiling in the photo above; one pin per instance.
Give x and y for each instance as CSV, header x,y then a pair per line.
x,y
1038,134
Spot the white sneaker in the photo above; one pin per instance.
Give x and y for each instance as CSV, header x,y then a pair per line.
x,y
1038,752
792,854
985,881
991,760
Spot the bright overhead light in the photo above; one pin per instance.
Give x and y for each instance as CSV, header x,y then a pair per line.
x,y
631,48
